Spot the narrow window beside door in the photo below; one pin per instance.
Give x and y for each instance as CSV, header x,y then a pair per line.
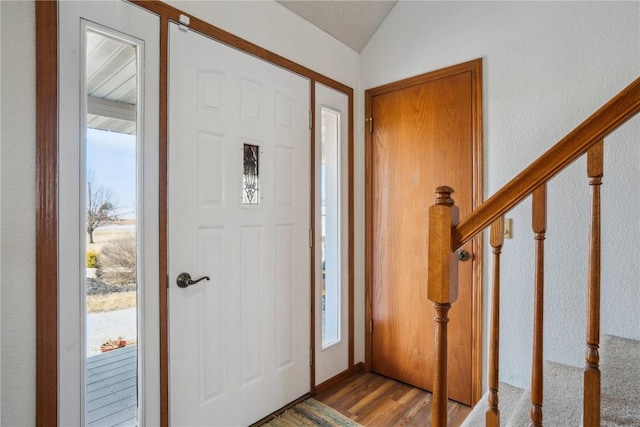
x,y
330,199
111,284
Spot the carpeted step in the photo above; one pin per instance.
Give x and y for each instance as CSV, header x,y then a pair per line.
x,y
562,398
620,376
520,414
508,396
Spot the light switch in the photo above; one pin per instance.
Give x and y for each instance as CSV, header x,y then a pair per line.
x,y
507,228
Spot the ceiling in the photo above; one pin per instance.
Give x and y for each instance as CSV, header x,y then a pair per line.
x,y
353,22
111,84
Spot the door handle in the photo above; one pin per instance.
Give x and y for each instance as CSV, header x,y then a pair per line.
x,y
463,255
184,279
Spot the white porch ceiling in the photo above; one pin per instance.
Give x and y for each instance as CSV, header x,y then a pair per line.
x,y
111,84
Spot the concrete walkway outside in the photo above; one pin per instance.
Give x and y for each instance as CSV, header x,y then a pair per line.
x,y
110,325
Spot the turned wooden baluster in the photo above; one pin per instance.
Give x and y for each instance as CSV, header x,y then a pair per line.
x,y
539,226
442,289
591,406
496,241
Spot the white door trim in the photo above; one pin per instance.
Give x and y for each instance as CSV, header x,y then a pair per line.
x,y
128,19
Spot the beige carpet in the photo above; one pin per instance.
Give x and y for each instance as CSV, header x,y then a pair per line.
x,y
562,402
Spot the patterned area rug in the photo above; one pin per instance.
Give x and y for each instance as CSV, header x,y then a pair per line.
x,y
310,413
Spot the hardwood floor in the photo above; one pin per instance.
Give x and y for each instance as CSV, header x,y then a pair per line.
x,y
376,401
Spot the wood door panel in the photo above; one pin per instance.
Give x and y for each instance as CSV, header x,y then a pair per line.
x,y
422,138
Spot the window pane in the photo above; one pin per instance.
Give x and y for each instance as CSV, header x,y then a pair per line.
x,y
111,286
251,174
330,196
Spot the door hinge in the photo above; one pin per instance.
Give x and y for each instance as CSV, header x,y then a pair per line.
x,y
370,120
310,356
167,281
310,238
310,119
371,326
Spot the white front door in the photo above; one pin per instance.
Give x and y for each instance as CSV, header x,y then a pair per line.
x,y
239,197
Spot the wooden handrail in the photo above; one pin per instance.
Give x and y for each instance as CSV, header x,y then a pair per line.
x,y
612,115
445,237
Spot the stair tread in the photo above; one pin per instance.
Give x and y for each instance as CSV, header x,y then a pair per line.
x,y
620,373
508,397
562,398
563,390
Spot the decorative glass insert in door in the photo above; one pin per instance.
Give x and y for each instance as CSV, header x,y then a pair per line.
x,y
112,144
251,174
330,227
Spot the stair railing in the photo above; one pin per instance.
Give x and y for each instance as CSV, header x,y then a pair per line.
x,y
447,235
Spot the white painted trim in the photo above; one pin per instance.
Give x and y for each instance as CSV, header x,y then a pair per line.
x,y
139,24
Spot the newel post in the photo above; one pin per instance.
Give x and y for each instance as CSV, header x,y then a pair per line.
x,y
442,290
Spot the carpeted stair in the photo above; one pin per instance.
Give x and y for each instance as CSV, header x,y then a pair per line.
x,y
620,393
562,402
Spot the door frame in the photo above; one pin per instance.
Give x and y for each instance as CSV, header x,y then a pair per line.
x,y
46,262
475,68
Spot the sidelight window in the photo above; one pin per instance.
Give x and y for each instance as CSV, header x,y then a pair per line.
x,y
330,227
112,82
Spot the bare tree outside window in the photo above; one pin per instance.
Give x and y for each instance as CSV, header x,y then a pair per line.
x,y
101,210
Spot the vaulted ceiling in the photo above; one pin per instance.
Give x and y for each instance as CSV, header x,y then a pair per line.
x,y
353,22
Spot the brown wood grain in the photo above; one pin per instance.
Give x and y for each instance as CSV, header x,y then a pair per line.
x,y
422,138
442,274
46,213
608,118
539,226
496,241
591,396
376,401
164,222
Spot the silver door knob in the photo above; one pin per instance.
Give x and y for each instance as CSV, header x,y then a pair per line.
x,y
463,255
184,279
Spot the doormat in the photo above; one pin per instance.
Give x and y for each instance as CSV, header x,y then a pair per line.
x,y
311,413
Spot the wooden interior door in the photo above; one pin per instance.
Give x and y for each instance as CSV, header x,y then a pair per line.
x,y
424,134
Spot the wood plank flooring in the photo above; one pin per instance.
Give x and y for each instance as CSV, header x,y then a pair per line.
x,y
376,401
112,388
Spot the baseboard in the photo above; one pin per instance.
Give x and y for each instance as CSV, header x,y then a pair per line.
x,y
342,376
281,410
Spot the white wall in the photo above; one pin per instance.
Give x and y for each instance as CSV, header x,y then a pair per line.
x,y
0,215
264,23
18,213
547,66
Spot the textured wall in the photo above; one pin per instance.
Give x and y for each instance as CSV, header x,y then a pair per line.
x,y
547,66
18,214
0,213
